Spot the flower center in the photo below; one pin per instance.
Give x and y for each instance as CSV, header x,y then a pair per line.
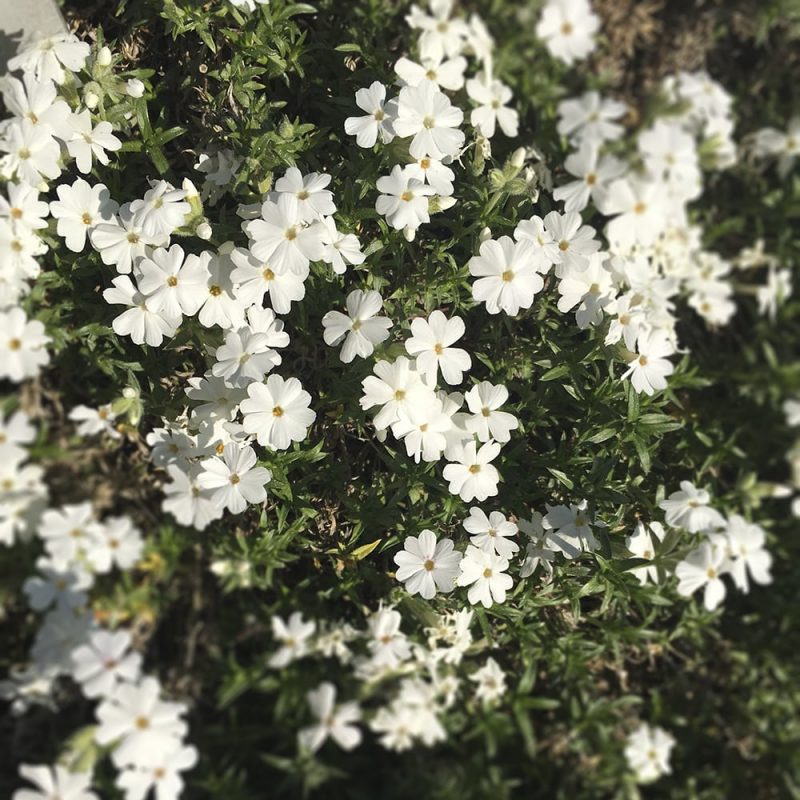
x,y
475,469
357,325
425,163
642,361
303,194
566,28
142,723
215,291
437,348
399,395
267,274
16,213
431,74
486,411
86,218
133,238
429,122
712,573
172,281
563,245
23,154
407,196
487,573
14,344
639,208
591,179
235,479
291,233
379,115
277,411
508,275
624,320
429,565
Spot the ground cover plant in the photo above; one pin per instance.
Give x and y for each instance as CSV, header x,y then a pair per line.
x,y
401,400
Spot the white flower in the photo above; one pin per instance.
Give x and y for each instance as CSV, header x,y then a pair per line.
x,y
37,101
648,369
22,345
281,237
67,532
447,74
220,307
64,589
314,201
427,114
23,209
536,551
78,209
424,428
638,210
15,432
590,118
48,58
426,565
484,400
255,278
294,638
575,241
430,342
775,292
703,568
689,509
473,477
491,533
442,35
387,643
594,176
647,751
568,28
491,681
140,322
145,725
485,574
105,662
277,412
161,211
89,142
115,542
187,501
340,249
395,386
569,529
507,275
220,400
174,284
434,173
245,357
591,289
121,241
377,121
32,154
491,97
234,480
55,782
163,775
93,421
134,88
749,558
18,251
361,327
336,722
642,544
403,199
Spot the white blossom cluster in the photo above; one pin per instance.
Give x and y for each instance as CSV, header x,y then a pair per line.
x,y
144,731
423,113
427,673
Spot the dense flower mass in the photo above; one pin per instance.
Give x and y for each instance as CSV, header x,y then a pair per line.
x,y
423,391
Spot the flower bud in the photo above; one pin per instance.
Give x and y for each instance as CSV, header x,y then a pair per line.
x,y
134,87
485,235
90,100
104,57
129,393
409,233
203,231
518,157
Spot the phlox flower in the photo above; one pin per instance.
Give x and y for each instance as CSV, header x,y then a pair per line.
x,y
115,542
22,208
748,556
162,776
254,278
591,289
702,569
442,34
64,589
395,386
403,199
638,211
491,533
340,249
336,722
18,250
294,637
487,422
386,642
67,533
32,154
218,400
473,476
568,28
492,97
568,529
145,725
490,680
642,544
485,574
54,782
575,241
78,209
426,565
121,241
277,412
689,508
444,74
245,357
22,345
360,329
90,142
378,119
314,201
186,500
94,421
141,322
594,175
37,101
15,433
174,284
590,118
427,114
161,211
431,342
220,307
647,751
507,275
424,429
649,367
49,57
434,173
104,662
234,479
536,551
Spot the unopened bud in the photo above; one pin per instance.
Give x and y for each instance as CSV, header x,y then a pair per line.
x,y
134,87
203,231
485,235
518,157
104,56
409,233
90,100
129,393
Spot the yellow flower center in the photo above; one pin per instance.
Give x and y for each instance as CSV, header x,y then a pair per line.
x,y
277,411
